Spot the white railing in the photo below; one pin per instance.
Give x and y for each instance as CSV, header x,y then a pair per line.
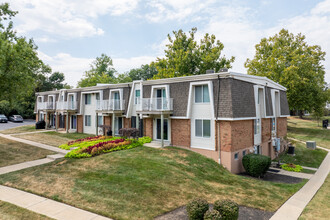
x,y
70,105
110,105
45,105
155,104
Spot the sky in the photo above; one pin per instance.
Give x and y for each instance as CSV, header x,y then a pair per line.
x,y
70,34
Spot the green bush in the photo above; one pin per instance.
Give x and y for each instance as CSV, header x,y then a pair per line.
x,y
292,167
227,209
255,164
212,215
145,139
196,209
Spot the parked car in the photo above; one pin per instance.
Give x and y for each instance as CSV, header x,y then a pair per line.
x,y
3,119
16,118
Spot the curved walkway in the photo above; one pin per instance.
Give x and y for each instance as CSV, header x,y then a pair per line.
x,y
294,206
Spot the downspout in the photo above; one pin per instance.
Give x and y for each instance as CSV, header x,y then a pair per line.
x,y
217,124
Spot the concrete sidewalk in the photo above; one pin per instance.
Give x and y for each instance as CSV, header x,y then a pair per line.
x,y
294,206
36,144
45,206
293,174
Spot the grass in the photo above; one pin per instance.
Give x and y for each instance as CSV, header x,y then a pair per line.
x,y
319,207
308,130
21,129
12,152
53,138
142,183
12,212
304,156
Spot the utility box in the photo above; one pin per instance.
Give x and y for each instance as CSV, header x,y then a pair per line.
x,y
311,145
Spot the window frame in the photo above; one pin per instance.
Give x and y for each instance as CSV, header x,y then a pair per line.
x,y
88,101
236,156
257,124
137,98
202,131
202,94
88,121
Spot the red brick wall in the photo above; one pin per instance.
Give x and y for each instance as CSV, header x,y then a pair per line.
x,y
265,129
80,125
281,127
242,134
180,132
148,128
127,122
37,117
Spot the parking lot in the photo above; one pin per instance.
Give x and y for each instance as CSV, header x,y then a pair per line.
x,y
4,126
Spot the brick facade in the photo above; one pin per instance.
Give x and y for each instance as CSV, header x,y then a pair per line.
x,y
180,132
281,127
148,127
80,124
266,129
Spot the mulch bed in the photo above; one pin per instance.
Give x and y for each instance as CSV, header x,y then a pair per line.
x,y
244,214
275,177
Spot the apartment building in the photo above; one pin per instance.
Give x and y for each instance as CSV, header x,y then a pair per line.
x,y
220,115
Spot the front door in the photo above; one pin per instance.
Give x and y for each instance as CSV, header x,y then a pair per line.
x,y
61,124
118,124
158,129
73,122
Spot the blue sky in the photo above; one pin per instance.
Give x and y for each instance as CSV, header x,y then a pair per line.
x,y
70,34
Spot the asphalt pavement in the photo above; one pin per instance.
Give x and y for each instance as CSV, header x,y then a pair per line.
x,y
4,126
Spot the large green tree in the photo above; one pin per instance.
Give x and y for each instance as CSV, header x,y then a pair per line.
x,y
144,72
288,60
101,71
184,56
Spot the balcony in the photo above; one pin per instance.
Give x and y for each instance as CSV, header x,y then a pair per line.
x,y
155,105
110,105
66,105
45,105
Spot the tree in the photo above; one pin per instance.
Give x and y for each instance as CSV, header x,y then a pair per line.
x,y
288,60
144,72
184,56
101,72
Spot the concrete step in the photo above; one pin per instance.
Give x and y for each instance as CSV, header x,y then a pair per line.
x,y
55,156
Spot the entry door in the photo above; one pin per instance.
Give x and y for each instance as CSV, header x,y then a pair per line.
x,y
116,101
161,96
73,122
61,121
158,127
118,124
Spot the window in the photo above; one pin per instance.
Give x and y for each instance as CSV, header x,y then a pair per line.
x,y
257,126
133,122
97,96
100,120
137,96
88,99
202,94
236,156
87,120
203,128
244,153
273,126
257,149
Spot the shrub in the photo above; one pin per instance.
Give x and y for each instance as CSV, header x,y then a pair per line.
x,y
227,209
212,215
255,164
129,132
291,167
145,139
197,208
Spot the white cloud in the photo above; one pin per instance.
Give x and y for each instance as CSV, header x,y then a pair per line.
x,y
74,67
67,19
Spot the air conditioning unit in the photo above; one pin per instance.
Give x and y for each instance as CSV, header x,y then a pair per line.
x,y
311,145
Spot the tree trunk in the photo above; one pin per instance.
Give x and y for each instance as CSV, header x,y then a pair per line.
x,y
300,114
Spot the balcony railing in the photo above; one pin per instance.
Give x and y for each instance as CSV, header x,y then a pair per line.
x,y
45,105
110,105
155,104
70,105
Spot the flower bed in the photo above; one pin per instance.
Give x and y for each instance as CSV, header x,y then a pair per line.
x,y
98,145
291,167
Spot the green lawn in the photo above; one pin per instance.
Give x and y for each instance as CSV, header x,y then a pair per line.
x,y
53,138
12,152
12,212
308,130
319,207
142,183
20,129
304,156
